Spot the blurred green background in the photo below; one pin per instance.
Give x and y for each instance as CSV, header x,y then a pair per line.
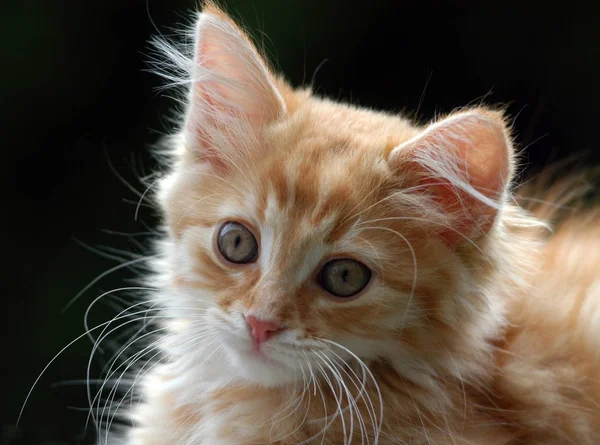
x,y
77,106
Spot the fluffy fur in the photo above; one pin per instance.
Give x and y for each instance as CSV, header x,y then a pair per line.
x,y
479,326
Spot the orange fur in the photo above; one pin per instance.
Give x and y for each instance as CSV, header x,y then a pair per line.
x,y
493,326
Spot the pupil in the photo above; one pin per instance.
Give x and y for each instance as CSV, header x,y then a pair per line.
x,y
345,274
238,240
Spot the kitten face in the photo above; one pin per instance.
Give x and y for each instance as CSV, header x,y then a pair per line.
x,y
300,205
305,182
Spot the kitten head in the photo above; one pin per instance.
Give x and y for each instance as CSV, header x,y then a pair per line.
x,y
305,232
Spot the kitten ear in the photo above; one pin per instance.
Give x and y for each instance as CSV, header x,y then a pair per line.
x,y
465,163
233,95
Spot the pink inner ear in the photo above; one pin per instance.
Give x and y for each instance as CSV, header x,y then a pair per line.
x,y
233,96
465,161
471,215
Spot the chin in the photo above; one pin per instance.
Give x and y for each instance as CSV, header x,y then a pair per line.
x,y
262,369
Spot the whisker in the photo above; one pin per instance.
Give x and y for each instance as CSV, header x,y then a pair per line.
x,y
128,363
349,397
104,274
50,363
412,218
362,390
196,339
376,385
142,196
415,270
338,400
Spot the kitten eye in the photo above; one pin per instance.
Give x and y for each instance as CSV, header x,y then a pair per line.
x,y
344,277
237,244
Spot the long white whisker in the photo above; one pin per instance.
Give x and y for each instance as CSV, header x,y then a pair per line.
x,y
338,400
123,349
415,270
89,308
380,420
50,363
110,398
328,422
362,390
196,339
104,274
350,407
105,334
414,218
306,385
139,204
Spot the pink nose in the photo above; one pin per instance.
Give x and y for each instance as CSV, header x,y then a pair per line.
x,y
262,330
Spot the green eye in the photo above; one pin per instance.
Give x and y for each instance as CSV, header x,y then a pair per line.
x,y
344,277
237,243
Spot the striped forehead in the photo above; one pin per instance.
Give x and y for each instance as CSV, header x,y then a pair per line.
x,y
309,196
301,213
296,200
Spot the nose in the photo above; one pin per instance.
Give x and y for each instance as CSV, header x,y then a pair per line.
x,y
262,330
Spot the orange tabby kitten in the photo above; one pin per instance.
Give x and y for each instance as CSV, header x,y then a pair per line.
x,y
336,275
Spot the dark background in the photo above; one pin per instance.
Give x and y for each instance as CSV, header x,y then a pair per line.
x,y
78,111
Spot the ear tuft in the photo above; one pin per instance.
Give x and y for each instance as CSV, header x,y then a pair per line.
x,y
465,162
233,96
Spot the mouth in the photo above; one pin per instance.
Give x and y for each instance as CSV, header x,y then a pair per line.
x,y
250,350
258,354
258,351
264,364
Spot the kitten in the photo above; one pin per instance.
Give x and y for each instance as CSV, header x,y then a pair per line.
x,y
337,275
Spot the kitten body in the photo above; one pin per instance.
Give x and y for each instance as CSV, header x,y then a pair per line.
x,y
477,326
